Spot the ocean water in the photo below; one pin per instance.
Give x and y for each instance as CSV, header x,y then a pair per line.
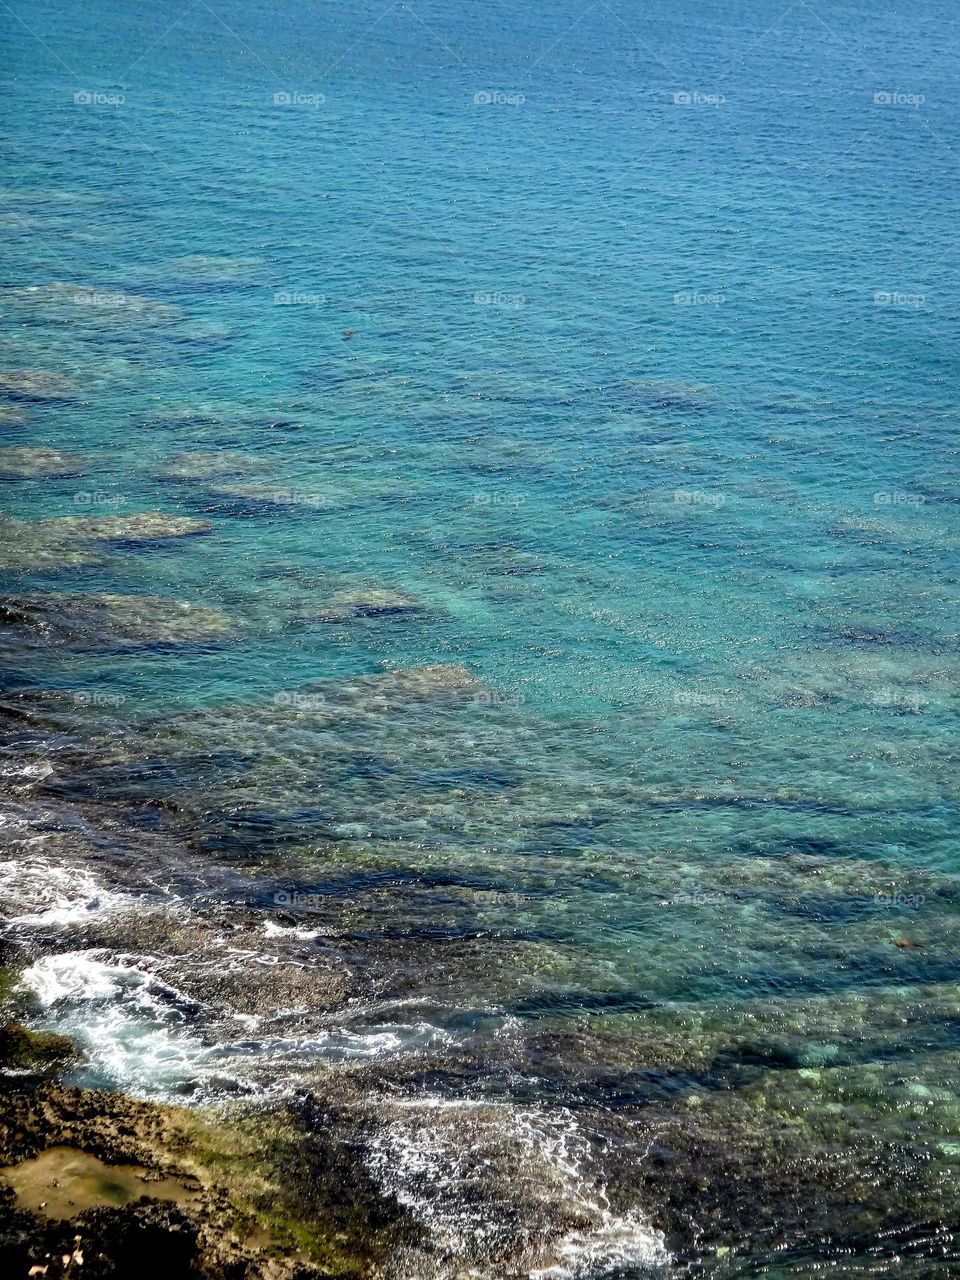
x,y
543,736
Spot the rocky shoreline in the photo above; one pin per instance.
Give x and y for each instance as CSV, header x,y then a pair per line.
x,y
136,1187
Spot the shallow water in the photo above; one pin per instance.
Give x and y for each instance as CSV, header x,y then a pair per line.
x,y
597,367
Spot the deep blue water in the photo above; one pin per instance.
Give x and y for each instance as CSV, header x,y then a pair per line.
x,y
620,341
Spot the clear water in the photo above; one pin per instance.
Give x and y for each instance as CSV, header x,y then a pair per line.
x,y
621,343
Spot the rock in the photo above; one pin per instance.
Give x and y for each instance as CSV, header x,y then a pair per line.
x,y
25,546
92,620
274,492
200,465
271,1196
11,417
436,679
147,526
367,603
33,384
213,267
26,1052
24,462
98,302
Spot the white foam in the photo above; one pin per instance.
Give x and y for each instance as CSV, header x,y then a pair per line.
x,y
433,1154
46,895
132,1027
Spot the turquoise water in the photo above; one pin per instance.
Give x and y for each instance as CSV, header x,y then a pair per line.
x,y
617,345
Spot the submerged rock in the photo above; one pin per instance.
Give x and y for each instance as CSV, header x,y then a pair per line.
x,y
98,302
11,417
147,526
372,602
205,465
436,679
25,546
25,462
34,384
93,620
212,267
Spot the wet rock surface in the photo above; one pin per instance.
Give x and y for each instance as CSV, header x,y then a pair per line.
x,y
148,526
23,462
253,1197
35,384
102,619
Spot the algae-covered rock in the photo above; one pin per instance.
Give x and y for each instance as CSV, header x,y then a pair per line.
x,y
371,602
95,302
201,464
33,1052
93,620
35,384
23,462
28,545
437,679
271,1196
212,268
151,526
